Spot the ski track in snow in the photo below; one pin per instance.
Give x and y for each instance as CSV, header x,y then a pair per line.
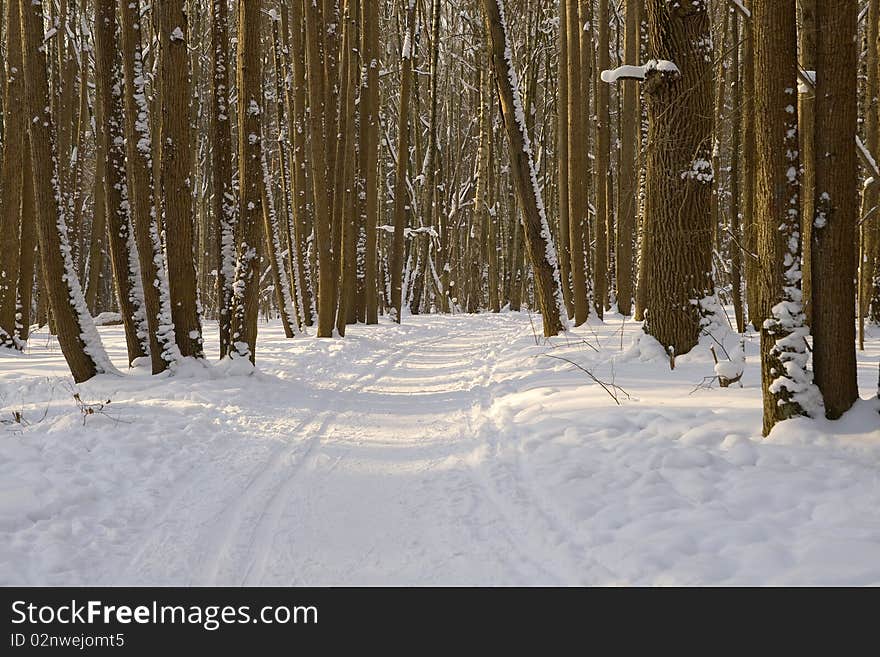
x,y
442,451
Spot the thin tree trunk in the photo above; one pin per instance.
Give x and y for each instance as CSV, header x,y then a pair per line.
x,y
223,199
123,253
11,178
400,191
28,252
245,300
539,244
578,145
628,180
807,34
370,146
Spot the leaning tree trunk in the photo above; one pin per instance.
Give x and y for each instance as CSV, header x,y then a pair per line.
x,y
539,243
678,231
77,335
785,381
836,206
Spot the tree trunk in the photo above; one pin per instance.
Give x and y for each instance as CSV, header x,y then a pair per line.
x,y
603,167
836,207
807,34
123,253
562,158
578,165
539,244
628,180
370,147
245,300
176,175
11,178
77,336
28,252
735,237
400,191
223,199
317,113
785,381
678,232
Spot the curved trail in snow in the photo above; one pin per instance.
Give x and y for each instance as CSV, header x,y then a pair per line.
x,y
396,438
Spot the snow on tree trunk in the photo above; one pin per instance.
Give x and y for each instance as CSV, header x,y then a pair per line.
x,y
786,380
539,240
77,335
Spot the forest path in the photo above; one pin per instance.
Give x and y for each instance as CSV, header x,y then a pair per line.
x,y
376,469
447,450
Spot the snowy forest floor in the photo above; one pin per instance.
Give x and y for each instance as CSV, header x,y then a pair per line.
x,y
448,450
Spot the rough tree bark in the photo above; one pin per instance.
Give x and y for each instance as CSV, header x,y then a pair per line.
x,y
785,381
836,205
678,232
75,329
176,175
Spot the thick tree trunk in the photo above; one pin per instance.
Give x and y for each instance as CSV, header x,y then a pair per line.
x,y
677,233
76,331
176,176
785,380
836,206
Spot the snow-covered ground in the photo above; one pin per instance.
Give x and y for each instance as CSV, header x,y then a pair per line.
x,y
448,450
